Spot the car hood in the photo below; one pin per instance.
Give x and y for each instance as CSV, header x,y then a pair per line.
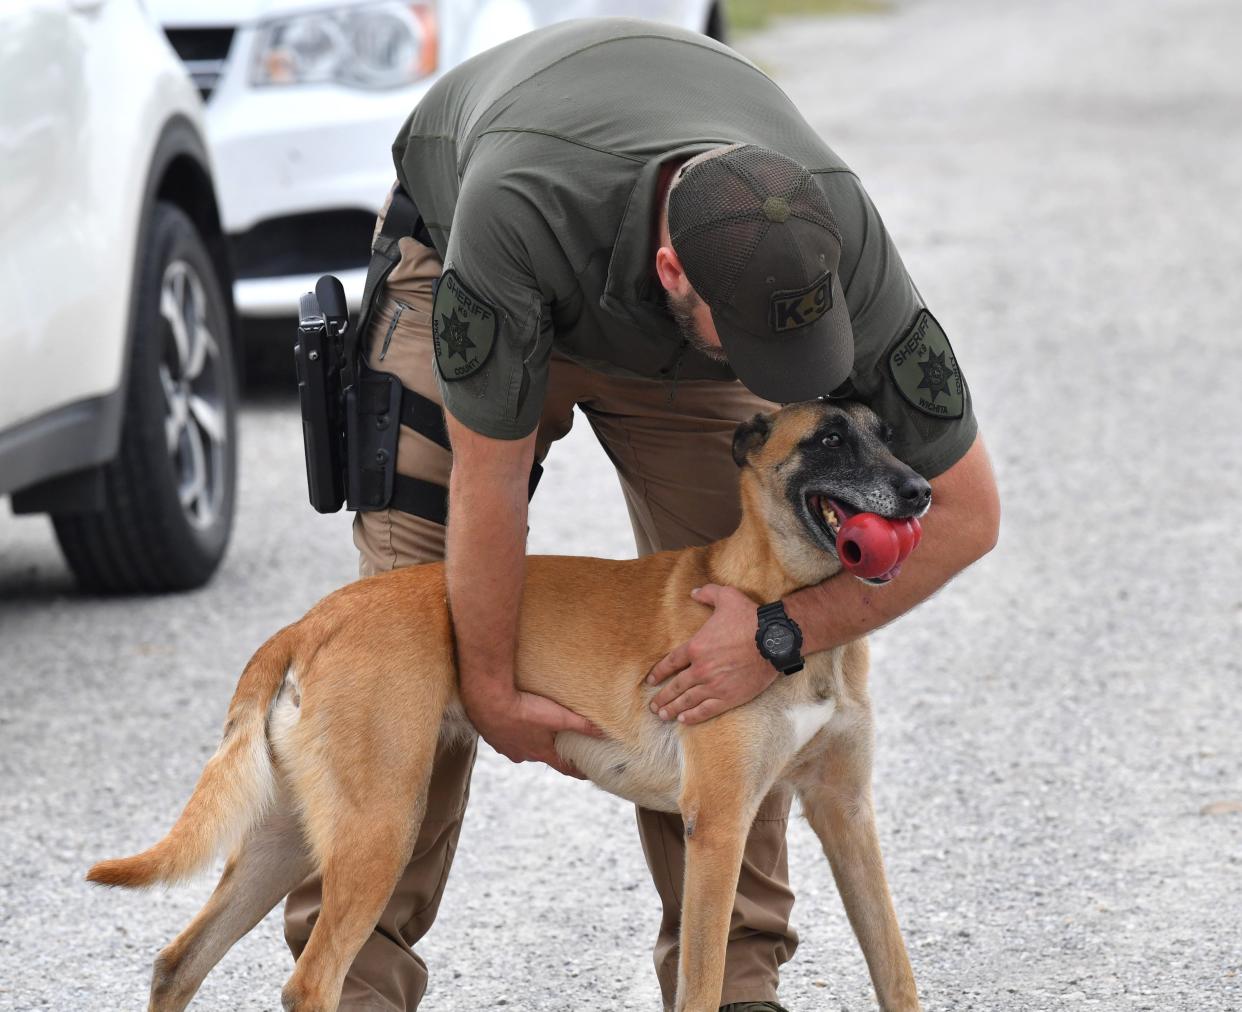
x,y
203,13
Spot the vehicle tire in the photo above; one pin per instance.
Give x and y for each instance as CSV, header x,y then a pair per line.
x,y
170,490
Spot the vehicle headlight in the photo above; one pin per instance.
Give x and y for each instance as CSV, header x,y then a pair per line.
x,y
379,45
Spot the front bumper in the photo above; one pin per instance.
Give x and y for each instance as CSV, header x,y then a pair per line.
x,y
269,297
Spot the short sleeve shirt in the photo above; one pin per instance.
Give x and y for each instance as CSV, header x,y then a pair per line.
x,y
535,167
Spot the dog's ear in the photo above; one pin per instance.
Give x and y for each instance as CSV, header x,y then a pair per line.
x,y
750,436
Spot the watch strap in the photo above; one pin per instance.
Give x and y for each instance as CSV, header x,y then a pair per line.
x,y
776,609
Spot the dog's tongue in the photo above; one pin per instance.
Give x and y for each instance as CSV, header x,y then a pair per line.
x,y
873,547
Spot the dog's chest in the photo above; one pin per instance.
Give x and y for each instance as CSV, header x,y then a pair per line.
x,y
807,719
647,773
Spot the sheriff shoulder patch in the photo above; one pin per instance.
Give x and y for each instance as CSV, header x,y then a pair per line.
x,y
925,370
463,328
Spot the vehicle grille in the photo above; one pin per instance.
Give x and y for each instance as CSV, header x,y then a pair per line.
x,y
204,51
304,244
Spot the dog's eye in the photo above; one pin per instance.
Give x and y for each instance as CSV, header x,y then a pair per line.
x,y
833,440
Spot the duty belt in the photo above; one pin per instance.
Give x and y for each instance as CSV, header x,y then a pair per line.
x,y
383,404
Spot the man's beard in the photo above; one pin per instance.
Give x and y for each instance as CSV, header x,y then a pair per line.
x,y
682,310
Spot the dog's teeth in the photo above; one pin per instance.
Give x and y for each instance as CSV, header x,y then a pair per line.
x,y
830,516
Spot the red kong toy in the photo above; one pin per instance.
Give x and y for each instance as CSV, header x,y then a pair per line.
x,y
872,546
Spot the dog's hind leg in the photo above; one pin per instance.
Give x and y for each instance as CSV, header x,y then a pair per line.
x,y
266,865
360,870
835,789
362,818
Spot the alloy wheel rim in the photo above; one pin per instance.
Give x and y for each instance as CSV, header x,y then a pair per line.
x,y
191,375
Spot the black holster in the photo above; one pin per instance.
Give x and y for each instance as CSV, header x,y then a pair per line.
x,y
351,413
372,424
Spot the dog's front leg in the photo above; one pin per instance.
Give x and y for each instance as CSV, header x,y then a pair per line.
x,y
717,809
715,839
836,799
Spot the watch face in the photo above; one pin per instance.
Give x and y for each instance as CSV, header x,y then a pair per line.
x,y
778,640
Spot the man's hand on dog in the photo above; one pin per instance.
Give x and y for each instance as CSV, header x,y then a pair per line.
x,y
522,727
716,669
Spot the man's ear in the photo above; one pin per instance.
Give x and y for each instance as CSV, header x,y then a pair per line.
x,y
750,436
670,272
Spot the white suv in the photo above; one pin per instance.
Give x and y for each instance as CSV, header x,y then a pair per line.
x,y
117,392
305,97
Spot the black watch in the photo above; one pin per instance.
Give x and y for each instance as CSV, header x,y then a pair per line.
x,y
779,639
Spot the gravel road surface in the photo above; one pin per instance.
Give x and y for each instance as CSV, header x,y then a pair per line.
x,y
1060,731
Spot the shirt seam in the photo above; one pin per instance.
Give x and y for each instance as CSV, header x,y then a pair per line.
x,y
624,38
560,137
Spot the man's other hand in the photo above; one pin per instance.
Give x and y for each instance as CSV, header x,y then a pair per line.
x,y
718,668
522,727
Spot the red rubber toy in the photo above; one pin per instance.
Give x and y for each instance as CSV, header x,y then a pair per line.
x,y
872,546
909,534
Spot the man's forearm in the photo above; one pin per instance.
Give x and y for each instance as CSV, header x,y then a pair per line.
x,y
485,563
844,608
960,528
485,568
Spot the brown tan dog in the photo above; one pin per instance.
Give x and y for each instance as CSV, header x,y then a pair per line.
x,y
329,740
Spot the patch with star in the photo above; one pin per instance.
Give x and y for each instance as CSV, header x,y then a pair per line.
x,y
463,328
925,370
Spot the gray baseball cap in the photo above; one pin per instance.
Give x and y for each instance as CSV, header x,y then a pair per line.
x,y
758,242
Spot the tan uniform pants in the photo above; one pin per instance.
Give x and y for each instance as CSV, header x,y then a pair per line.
x,y
680,484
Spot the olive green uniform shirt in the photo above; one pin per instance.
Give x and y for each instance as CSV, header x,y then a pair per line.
x,y
535,166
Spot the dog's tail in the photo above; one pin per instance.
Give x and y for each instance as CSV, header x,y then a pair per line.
x,y
233,792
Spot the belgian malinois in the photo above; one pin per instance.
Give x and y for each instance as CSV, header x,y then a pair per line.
x,y
328,744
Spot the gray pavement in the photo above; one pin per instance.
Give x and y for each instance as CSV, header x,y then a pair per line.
x,y
1064,180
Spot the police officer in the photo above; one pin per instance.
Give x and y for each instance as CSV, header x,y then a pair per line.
x,y
636,221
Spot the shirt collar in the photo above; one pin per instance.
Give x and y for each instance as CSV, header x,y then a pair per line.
x,y
630,290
